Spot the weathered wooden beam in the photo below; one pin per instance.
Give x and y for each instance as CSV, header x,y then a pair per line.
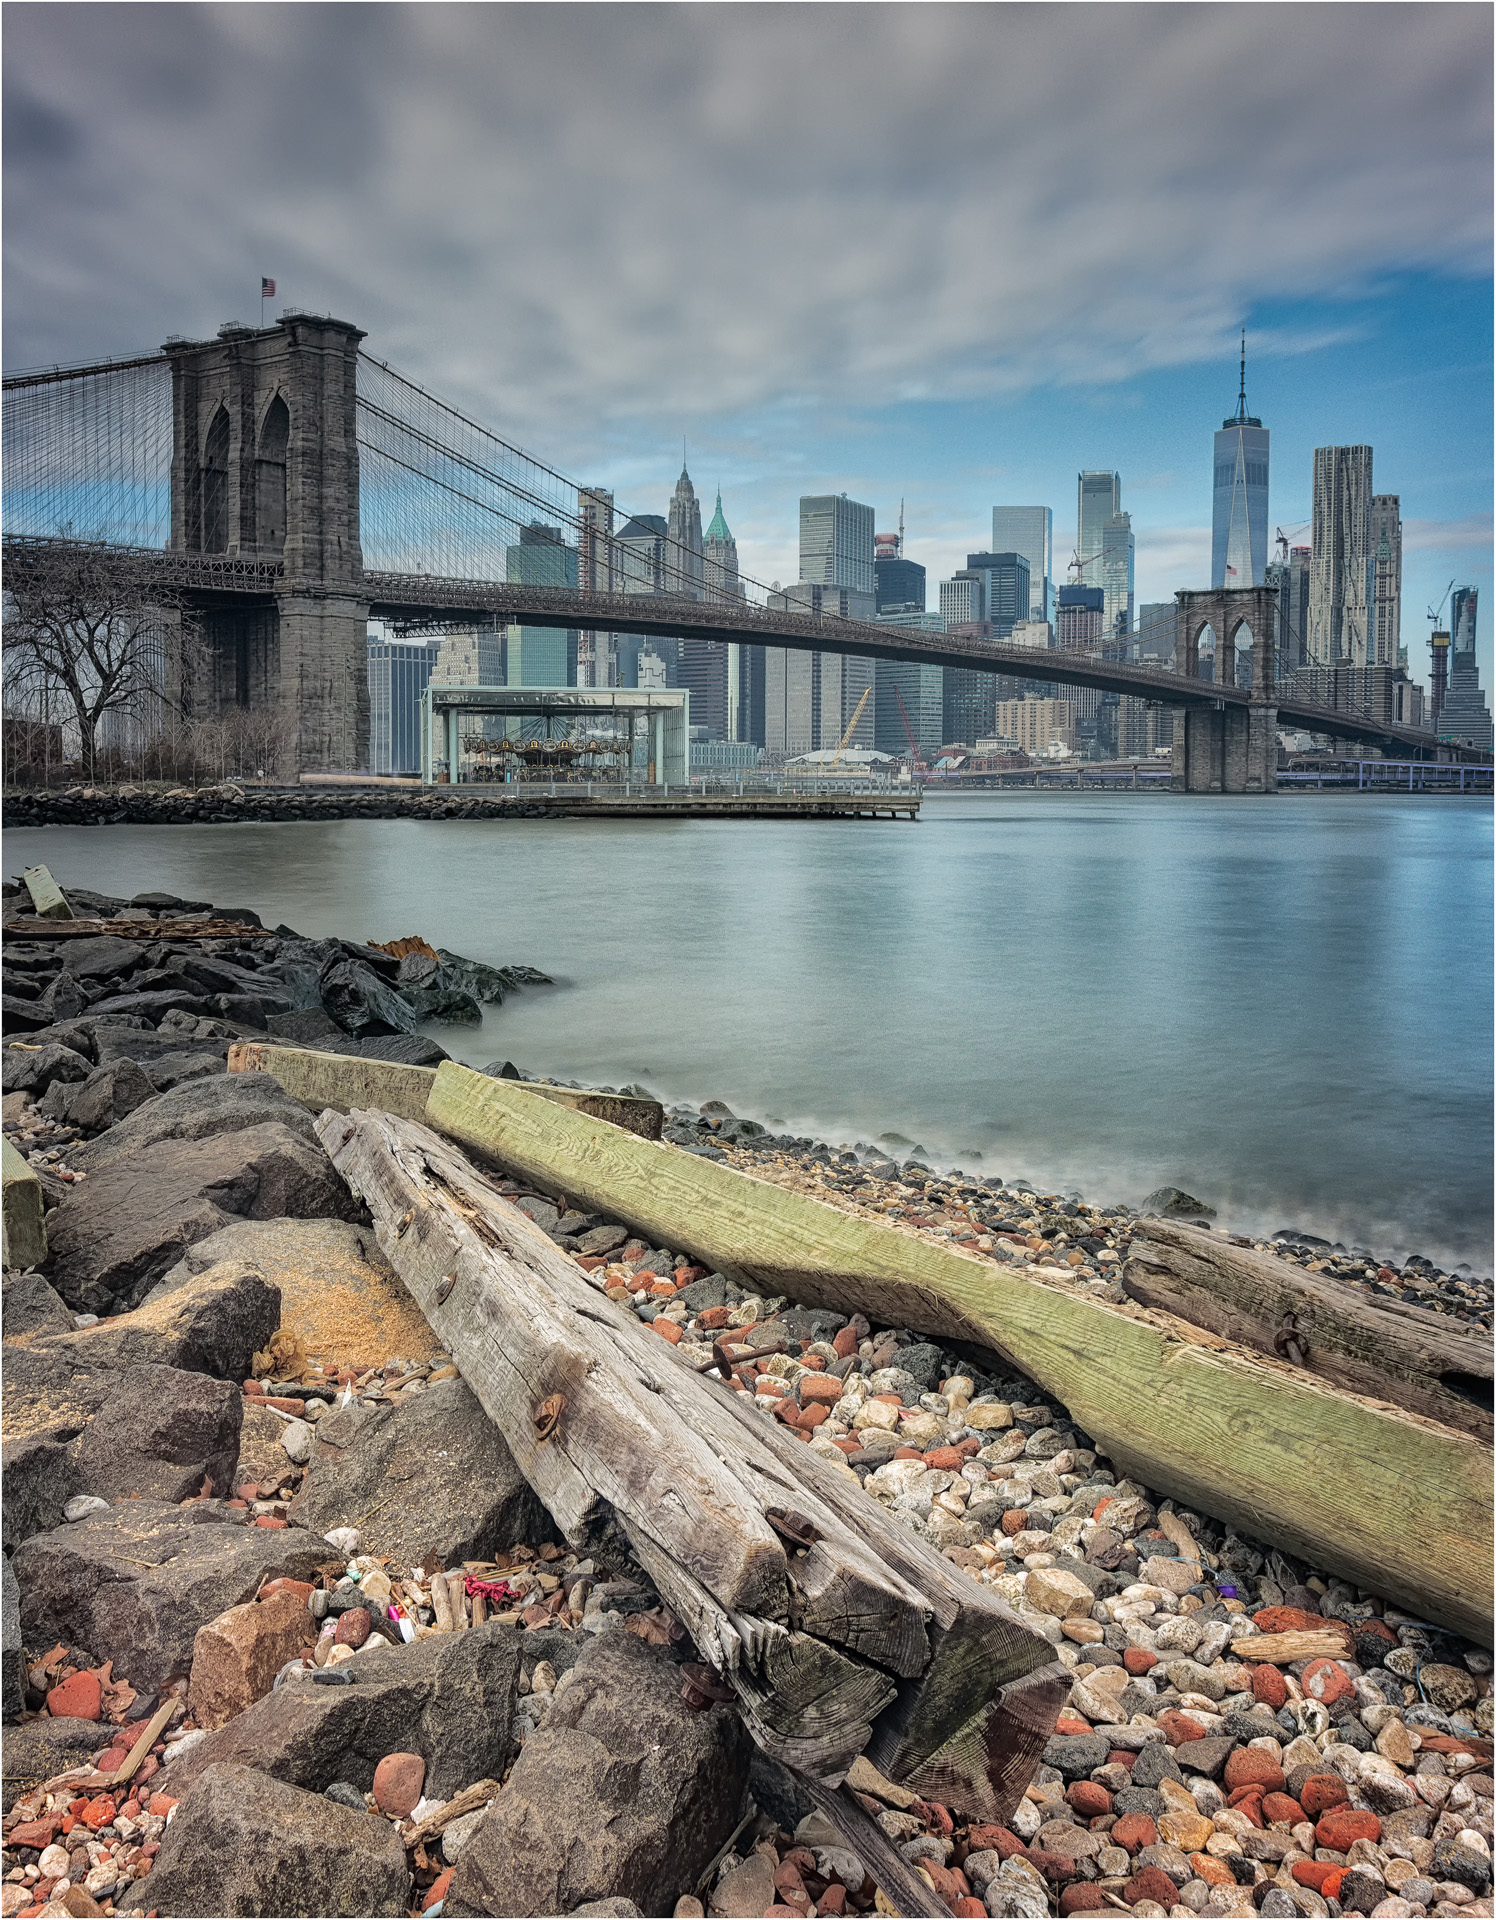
x,y
1390,1350
344,1081
862,1638
24,1216
1249,1438
46,896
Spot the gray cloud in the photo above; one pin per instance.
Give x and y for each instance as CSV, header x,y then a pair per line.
x,y
575,217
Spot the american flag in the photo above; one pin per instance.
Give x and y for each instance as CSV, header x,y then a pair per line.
x,y
267,289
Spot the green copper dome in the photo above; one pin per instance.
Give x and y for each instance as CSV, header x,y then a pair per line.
x,y
718,530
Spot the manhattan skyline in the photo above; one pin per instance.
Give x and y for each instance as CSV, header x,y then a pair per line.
x,y
872,287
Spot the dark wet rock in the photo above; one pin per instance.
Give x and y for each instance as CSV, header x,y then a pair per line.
x,y
624,1792
102,957
243,1843
449,1698
361,1003
432,1474
199,1112
33,1067
12,1653
107,1095
133,1585
214,1321
1173,1203
405,1049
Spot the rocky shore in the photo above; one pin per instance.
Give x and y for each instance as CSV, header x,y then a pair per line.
x,y
230,803
287,1631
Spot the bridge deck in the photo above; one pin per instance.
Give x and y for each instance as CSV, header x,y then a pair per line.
x,y
414,600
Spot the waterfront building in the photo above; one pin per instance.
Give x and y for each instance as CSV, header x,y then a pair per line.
x,y
398,672
596,665
1029,531
684,560
1079,619
473,657
1341,564
541,656
1143,726
1005,589
1386,592
1098,500
836,542
1117,566
810,700
1238,543
1464,717
920,688
1034,726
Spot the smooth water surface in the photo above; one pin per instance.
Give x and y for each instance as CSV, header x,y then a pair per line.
x,y
1282,1005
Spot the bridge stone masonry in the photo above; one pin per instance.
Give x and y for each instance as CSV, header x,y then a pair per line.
x,y
293,454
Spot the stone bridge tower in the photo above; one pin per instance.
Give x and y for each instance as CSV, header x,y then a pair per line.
x,y
265,467
1227,749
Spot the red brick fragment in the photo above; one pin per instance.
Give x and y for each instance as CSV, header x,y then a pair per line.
x,y
1134,1831
1322,1791
1342,1827
1151,1884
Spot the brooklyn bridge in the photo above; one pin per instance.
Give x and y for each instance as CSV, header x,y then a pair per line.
x,y
286,486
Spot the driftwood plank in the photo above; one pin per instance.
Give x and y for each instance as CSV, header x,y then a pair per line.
x,y
1393,1351
865,1637
1240,1435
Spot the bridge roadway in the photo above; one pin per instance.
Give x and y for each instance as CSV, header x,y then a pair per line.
x,y
413,600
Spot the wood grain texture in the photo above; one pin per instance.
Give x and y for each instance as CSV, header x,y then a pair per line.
x,y
1391,1350
1278,1452
822,1642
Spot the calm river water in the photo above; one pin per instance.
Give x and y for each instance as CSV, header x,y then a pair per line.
x,y
1283,1006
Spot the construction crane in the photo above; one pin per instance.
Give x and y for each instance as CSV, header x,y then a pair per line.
x,y
919,765
1436,614
1287,534
851,728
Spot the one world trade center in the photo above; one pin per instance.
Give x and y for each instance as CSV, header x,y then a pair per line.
x,y
1238,549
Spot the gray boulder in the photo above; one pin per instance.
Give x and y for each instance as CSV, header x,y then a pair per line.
x,y
43,1748
214,1322
405,1049
152,1002
129,1222
623,1792
28,1304
362,1003
160,1434
1173,1203
64,999
243,1843
173,1070
107,1095
12,1654
38,1476
432,1474
31,1066
227,1104
102,957
449,1698
133,1585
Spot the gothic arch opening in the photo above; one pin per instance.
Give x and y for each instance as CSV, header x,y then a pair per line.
x,y
215,485
270,477
1239,656
1207,652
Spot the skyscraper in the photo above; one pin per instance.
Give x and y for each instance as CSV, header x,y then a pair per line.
x,y
713,669
684,569
1081,616
836,542
1117,563
1006,589
963,599
898,583
1289,577
1386,592
1464,716
1238,545
398,672
720,559
542,656
1341,560
638,567
1098,499
1029,531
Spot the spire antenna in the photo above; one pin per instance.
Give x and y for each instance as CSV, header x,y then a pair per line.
x,y
1241,402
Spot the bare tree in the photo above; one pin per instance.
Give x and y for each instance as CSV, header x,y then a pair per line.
x,y
85,629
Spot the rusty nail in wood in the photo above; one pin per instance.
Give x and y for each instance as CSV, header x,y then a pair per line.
x,y
548,1417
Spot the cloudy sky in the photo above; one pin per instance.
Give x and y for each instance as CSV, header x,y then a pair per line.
x,y
945,253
